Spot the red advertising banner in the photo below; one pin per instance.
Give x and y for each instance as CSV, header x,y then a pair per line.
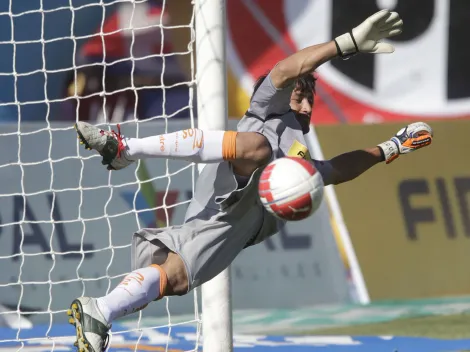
x,y
425,78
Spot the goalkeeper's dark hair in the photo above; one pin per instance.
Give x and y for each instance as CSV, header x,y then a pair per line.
x,y
306,84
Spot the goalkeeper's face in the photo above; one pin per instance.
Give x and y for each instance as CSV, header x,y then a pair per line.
x,y
301,103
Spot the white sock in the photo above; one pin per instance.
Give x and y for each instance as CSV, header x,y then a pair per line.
x,y
135,291
193,145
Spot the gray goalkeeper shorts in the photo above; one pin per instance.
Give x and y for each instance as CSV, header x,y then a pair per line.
x,y
222,219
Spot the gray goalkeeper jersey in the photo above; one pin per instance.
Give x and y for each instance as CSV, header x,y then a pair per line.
x,y
269,114
226,215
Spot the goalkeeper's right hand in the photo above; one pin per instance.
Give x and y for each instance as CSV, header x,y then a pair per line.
x,y
410,138
366,37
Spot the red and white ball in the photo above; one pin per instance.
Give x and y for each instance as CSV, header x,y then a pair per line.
x,y
291,188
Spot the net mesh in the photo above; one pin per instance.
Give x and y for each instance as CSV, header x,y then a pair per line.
x,y
65,222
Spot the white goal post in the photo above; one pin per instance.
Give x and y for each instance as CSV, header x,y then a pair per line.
x,y
212,104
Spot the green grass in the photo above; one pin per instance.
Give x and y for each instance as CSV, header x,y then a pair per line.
x,y
445,327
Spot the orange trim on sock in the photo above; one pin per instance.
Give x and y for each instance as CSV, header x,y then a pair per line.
x,y
163,281
229,145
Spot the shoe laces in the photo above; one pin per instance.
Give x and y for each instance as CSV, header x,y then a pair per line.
x,y
119,137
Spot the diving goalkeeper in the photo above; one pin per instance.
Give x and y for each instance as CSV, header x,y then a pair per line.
x,y
225,215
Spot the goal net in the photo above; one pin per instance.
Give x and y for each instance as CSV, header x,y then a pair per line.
x,y
66,223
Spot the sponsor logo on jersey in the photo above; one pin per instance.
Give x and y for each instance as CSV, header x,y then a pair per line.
x,y
299,150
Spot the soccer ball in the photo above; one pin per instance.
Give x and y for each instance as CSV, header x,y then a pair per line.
x,y
291,188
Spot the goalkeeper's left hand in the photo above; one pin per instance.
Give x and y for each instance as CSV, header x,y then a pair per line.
x,y
367,37
410,138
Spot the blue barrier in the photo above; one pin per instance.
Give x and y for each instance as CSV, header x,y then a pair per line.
x,y
183,338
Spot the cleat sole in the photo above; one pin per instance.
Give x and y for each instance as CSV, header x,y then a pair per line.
x,y
81,342
81,138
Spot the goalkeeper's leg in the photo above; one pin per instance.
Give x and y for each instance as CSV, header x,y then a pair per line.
x,y
92,317
193,145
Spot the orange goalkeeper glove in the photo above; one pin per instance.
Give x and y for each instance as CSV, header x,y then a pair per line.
x,y
410,138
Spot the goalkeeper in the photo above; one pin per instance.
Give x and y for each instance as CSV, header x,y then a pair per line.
x,y
225,215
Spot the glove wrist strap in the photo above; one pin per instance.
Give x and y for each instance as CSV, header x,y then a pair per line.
x,y
389,150
346,45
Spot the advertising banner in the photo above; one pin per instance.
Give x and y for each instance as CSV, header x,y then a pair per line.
x,y
67,223
426,76
409,221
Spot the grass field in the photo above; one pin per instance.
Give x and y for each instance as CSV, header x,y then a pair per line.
x,y
446,327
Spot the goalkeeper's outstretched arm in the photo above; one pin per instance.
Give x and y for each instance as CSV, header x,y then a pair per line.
x,y
365,38
346,167
302,62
